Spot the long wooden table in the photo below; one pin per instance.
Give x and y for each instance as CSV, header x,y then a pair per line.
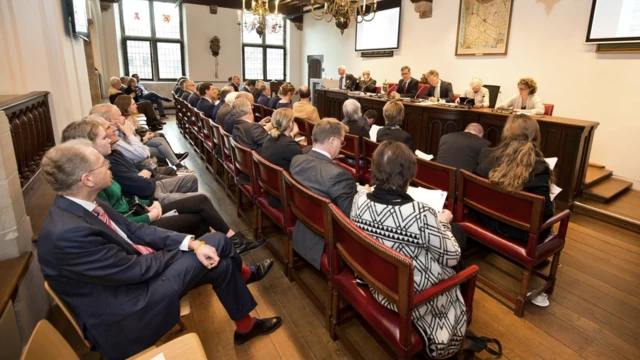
x,y
569,140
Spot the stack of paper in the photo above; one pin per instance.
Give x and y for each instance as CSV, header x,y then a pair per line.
x,y
373,133
422,155
554,189
433,198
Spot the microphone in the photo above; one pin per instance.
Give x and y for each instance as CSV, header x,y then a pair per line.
x,y
420,89
465,102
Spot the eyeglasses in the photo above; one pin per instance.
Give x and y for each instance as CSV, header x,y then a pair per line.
x,y
522,89
105,163
342,142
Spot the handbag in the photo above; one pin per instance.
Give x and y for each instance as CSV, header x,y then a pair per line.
x,y
476,344
136,207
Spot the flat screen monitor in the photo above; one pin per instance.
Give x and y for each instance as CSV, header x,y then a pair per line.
x,y
381,33
614,21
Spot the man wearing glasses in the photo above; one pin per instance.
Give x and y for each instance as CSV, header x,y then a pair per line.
x,y
407,86
317,172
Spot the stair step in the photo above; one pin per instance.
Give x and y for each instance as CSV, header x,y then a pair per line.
x,y
607,189
595,175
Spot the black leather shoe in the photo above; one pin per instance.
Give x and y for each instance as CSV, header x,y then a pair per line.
x,y
155,128
244,245
162,123
260,327
260,270
182,156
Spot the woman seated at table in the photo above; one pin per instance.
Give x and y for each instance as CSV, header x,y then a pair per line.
x,y
526,100
280,147
477,92
286,93
517,164
423,235
393,113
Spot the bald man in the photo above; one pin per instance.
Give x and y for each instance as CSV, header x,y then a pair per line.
x,y
461,149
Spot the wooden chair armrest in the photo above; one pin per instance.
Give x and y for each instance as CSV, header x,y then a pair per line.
x,y
185,347
442,286
562,216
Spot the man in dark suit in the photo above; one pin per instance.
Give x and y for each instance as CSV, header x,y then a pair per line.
x,y
317,172
407,86
194,97
205,104
249,85
256,90
181,84
461,149
246,131
223,95
366,83
123,280
265,95
346,81
234,82
189,88
439,89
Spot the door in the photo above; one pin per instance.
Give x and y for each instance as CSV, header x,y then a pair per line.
x,y
314,70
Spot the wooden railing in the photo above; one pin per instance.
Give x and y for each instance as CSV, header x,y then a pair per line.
x,y
31,130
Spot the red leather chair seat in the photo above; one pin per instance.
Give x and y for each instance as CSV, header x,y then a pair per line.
x,y
275,214
351,170
247,189
385,321
208,142
513,249
230,167
324,264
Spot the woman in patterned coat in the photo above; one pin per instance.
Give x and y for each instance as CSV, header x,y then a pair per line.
x,y
417,231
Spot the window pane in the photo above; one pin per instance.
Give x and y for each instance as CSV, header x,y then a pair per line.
x,y
167,20
249,35
253,63
275,64
136,16
277,37
169,60
139,58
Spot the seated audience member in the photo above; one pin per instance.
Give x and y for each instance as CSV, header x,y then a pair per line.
x,y
273,103
407,86
286,93
116,86
230,120
176,88
461,149
256,89
249,85
393,113
317,172
280,147
195,97
526,100
234,82
439,89
181,84
303,109
265,95
369,118
133,90
517,164
366,83
151,96
145,108
352,119
414,229
221,116
123,281
246,132
346,81
205,104
189,88
223,95
477,92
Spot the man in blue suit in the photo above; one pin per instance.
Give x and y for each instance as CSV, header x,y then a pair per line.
x,y
206,103
124,280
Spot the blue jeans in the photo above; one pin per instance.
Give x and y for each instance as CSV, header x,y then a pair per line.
x,y
155,98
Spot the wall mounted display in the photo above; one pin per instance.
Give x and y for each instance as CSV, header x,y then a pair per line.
x,y
483,27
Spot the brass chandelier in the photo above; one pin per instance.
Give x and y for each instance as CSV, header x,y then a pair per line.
x,y
259,18
343,10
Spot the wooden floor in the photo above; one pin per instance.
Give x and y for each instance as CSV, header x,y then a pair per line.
x,y
626,205
594,312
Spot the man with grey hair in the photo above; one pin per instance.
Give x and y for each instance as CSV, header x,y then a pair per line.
x,y
225,109
105,266
366,83
230,120
461,149
223,95
246,131
116,86
346,81
354,120
189,88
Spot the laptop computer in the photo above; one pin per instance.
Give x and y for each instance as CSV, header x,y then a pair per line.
x,y
467,101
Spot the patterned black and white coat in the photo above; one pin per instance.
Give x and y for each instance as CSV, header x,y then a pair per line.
x,y
412,228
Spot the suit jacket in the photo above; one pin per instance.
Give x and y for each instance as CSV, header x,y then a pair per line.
x,y
366,86
206,106
244,89
280,151
122,301
180,92
249,134
461,150
125,172
185,95
234,86
193,100
263,100
412,88
224,120
256,93
321,175
350,82
394,133
274,102
217,108
446,92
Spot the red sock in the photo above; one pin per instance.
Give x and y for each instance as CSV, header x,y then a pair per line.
x,y
245,272
245,324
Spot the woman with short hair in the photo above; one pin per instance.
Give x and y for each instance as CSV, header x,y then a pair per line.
x,y
414,229
477,92
526,100
393,113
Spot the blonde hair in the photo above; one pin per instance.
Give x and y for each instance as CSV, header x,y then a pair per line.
x,y
530,84
393,113
432,73
281,121
287,89
476,81
83,129
517,153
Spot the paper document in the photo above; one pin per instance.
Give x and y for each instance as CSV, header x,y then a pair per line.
x,y
159,357
553,191
552,162
373,133
422,155
433,198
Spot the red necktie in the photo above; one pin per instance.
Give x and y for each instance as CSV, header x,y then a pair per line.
x,y
103,216
405,88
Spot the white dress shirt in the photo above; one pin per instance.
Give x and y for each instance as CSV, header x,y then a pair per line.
x,y
534,105
480,98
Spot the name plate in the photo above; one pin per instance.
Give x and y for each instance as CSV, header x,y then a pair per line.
x,y
376,54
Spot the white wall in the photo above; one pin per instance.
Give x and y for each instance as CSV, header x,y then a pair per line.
x,y
294,54
546,43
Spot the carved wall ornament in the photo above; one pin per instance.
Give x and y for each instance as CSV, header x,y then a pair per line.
x,y
424,8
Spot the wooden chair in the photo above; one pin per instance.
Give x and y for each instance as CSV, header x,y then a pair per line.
x,y
203,137
217,151
310,127
230,169
312,210
194,129
522,210
210,146
368,147
303,128
46,343
243,163
351,150
257,112
390,274
270,180
432,175
179,119
548,109
268,112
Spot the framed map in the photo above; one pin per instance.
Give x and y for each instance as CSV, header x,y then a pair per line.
x,y
483,27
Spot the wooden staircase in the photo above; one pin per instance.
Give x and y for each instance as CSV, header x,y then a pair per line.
x,y
600,185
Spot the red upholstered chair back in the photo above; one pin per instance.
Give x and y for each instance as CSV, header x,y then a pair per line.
x,y
368,147
302,126
422,90
226,145
520,209
308,207
391,87
455,97
216,136
310,127
242,157
548,109
268,176
202,122
352,146
432,175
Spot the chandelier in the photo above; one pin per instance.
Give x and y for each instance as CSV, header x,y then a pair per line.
x,y
343,10
259,18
